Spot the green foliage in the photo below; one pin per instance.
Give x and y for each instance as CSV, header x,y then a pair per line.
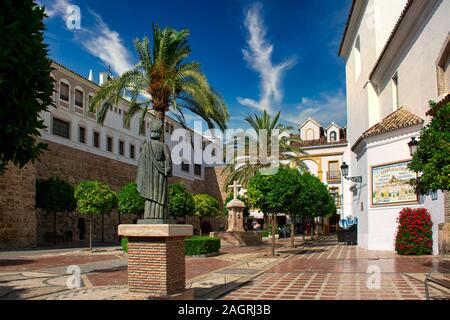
x,y
130,201
285,191
205,206
292,193
315,200
230,197
264,127
181,201
432,158
26,86
94,198
198,245
165,74
194,246
55,195
124,244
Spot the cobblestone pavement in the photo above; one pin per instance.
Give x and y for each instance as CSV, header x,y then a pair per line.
x,y
327,271
323,270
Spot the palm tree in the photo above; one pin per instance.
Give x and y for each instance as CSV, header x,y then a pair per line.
x,y
163,81
244,165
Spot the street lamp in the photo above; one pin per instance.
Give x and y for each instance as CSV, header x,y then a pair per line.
x,y
413,144
344,169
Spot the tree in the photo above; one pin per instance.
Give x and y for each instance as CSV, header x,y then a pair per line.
x,y
93,199
432,158
181,201
205,206
315,200
245,164
259,187
26,86
284,194
55,195
166,80
130,200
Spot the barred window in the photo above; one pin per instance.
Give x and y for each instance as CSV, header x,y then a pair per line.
x,y
121,148
198,169
61,128
96,139
185,166
81,135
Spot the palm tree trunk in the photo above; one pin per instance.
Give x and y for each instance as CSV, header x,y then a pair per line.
x,y
161,115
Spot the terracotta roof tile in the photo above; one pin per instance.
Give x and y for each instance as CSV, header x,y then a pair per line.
x,y
401,118
322,142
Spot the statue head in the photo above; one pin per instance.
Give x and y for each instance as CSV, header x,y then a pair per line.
x,y
156,129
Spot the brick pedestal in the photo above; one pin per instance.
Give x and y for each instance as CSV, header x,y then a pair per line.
x,y
156,258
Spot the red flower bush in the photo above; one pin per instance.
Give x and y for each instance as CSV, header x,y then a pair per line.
x,y
414,234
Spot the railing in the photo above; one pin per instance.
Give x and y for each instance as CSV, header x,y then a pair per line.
x,y
334,176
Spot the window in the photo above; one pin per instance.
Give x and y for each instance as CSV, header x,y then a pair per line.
x,y
358,57
185,166
61,128
109,144
395,99
198,169
132,151
167,127
121,148
79,96
82,134
64,91
333,136
96,141
334,173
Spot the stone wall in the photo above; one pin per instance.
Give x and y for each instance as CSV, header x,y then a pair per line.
x,y
17,212
21,225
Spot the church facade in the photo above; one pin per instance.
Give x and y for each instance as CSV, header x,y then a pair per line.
x,y
397,57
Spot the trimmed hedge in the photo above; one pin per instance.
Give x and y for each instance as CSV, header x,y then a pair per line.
x,y
198,245
193,246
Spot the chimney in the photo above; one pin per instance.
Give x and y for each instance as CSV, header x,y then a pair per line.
x,y
91,76
103,77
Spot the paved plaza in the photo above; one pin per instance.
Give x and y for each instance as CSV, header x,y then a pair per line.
x,y
320,270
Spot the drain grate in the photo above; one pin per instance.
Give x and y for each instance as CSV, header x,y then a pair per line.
x,y
238,271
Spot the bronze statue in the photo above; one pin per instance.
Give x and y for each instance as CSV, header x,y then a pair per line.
x,y
154,168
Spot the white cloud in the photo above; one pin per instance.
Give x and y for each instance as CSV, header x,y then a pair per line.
x,y
327,108
98,39
258,55
106,44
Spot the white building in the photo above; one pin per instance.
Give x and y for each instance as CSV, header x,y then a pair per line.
x,y
71,124
397,58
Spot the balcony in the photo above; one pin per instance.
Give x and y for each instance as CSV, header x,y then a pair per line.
x,y
334,177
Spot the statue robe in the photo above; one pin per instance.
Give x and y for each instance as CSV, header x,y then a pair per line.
x,y
154,167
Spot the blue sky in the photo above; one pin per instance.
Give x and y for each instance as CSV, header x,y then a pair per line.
x,y
278,55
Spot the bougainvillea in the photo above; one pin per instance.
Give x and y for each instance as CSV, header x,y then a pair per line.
x,y
414,233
